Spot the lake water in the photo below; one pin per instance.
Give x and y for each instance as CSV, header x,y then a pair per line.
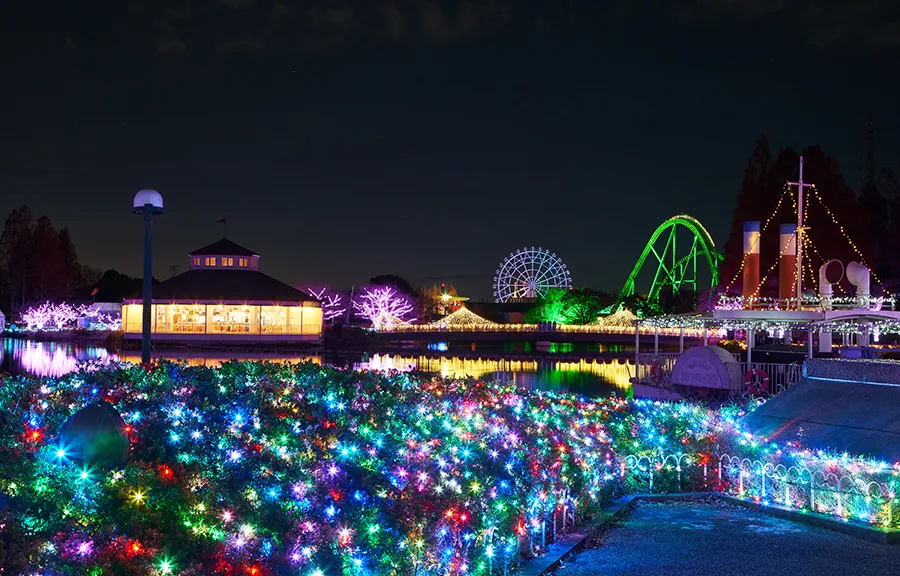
x,y
598,377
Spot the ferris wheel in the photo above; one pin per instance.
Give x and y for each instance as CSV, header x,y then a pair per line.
x,y
530,273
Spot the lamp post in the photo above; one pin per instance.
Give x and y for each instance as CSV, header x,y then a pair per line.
x,y
148,203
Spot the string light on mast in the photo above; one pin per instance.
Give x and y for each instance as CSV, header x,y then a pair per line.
x,y
800,228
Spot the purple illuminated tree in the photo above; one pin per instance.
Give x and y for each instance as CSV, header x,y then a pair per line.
x,y
384,307
332,304
36,317
99,320
63,314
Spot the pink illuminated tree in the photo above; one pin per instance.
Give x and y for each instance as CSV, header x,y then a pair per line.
x,y
63,314
332,304
384,307
36,317
99,320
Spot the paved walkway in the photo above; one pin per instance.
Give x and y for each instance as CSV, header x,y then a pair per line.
x,y
676,538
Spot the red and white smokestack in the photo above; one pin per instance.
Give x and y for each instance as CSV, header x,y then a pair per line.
x,y
787,261
751,259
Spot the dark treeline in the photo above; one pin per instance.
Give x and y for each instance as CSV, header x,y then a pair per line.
x,y
40,263
871,219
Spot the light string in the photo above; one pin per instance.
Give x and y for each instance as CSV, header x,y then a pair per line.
x,y
758,237
852,244
772,267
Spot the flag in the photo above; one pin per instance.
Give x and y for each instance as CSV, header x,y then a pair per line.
x,y
94,291
222,221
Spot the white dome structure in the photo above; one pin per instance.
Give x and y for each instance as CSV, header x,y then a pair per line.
x,y
145,197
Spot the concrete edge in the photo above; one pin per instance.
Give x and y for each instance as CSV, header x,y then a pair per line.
x,y
574,542
888,536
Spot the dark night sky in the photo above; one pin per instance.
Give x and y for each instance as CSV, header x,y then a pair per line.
x,y
429,139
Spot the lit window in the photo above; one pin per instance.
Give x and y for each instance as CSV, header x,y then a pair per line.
x,y
210,260
227,261
242,262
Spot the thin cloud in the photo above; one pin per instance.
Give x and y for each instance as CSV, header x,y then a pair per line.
x,y
239,4
168,42
394,20
471,18
870,24
241,43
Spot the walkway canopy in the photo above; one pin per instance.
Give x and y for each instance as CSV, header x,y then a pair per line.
x,y
463,319
622,318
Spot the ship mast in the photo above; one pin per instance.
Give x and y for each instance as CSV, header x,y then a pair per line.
x,y
799,233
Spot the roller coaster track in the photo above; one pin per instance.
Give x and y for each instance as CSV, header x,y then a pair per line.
x,y
673,269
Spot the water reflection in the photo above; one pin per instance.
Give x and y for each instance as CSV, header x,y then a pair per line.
x,y
214,359
48,358
590,377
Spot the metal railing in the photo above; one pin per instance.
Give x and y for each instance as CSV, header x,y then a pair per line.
x,y
561,328
768,378
814,303
655,368
781,376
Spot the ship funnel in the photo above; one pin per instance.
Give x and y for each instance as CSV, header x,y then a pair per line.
x,y
858,275
787,261
751,259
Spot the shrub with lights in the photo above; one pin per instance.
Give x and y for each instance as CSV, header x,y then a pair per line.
x,y
259,468
262,468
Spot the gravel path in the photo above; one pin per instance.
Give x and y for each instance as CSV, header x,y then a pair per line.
x,y
716,538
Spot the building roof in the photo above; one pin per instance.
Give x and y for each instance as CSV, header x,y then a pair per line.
x,y
223,247
218,285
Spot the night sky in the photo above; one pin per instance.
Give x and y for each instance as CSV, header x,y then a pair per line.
x,y
428,139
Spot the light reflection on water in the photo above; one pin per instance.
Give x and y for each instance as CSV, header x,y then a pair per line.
x,y
582,376
51,359
590,377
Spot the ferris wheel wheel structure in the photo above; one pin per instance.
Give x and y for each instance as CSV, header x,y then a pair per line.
x,y
528,273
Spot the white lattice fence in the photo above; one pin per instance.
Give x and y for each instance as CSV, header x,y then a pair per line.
x,y
861,497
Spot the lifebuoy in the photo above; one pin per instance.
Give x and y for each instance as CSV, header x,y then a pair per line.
x,y
655,372
756,387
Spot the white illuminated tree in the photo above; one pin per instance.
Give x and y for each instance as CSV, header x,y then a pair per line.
x,y
332,304
384,307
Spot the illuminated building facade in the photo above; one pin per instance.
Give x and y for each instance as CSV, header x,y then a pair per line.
x,y
224,297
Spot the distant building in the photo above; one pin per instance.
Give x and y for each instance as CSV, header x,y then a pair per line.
x,y
444,299
224,297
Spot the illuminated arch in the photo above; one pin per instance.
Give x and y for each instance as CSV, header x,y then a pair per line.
x,y
673,269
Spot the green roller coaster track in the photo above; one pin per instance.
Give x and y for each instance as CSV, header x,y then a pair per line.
x,y
674,270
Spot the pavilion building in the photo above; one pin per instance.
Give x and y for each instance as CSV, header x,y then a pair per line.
x,y
224,298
